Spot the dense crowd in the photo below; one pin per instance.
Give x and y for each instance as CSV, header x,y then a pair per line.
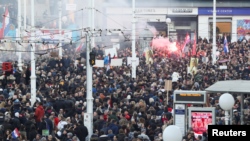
x,y
124,108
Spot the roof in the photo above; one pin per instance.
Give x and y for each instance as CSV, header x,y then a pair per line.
x,y
231,86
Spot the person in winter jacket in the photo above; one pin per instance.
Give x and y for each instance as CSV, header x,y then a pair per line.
x,y
39,113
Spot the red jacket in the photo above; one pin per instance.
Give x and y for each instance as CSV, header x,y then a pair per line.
x,y
39,113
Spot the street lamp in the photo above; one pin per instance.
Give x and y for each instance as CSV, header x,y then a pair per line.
x,y
226,102
172,133
168,22
145,39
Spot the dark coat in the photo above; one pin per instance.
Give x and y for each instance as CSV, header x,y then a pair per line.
x,y
81,132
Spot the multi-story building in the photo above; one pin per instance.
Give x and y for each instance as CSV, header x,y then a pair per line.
x,y
192,16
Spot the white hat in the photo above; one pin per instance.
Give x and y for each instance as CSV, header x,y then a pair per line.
x,y
16,114
77,103
128,96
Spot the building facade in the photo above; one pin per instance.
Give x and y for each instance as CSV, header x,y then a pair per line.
x,y
230,20
189,16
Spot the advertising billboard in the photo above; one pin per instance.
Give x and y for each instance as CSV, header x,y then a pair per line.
x,y
243,29
200,118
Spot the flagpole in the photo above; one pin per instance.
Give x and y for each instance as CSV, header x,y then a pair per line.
x,y
214,33
24,14
19,35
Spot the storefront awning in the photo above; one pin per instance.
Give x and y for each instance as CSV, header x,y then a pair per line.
x,y
231,86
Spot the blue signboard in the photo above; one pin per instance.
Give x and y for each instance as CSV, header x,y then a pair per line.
x,y
179,111
224,11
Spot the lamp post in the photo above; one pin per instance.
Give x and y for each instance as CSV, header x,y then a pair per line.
x,y
168,21
19,35
90,42
33,61
214,33
145,38
133,61
172,133
226,102
24,14
60,28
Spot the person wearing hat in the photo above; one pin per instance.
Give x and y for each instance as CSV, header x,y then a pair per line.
x,y
16,122
69,136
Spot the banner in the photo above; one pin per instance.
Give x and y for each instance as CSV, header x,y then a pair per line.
x,y
116,62
49,35
129,61
99,63
193,65
243,29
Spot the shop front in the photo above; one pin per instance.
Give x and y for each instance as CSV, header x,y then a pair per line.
x,y
233,22
183,21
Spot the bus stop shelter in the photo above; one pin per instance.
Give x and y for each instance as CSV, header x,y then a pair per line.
x,y
232,86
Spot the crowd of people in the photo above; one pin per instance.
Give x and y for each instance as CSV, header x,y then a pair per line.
x,y
125,109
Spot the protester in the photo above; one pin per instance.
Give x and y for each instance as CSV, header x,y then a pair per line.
x,y
124,108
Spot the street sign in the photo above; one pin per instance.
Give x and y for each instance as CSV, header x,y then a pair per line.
x,y
180,117
197,97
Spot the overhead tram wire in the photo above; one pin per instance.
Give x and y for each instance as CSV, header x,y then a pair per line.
x,y
46,50
46,21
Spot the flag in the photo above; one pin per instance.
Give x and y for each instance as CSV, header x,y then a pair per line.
x,y
6,22
106,60
79,48
15,133
226,50
194,45
187,40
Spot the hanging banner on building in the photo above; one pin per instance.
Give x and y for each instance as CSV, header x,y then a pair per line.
x,y
243,29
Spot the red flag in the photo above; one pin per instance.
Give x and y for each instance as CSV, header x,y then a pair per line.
x,y
1,32
194,45
3,24
79,48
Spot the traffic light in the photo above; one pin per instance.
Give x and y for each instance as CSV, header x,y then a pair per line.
x,y
92,58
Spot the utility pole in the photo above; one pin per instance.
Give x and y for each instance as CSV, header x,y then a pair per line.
x,y
60,28
90,43
214,34
24,14
33,61
20,64
133,61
